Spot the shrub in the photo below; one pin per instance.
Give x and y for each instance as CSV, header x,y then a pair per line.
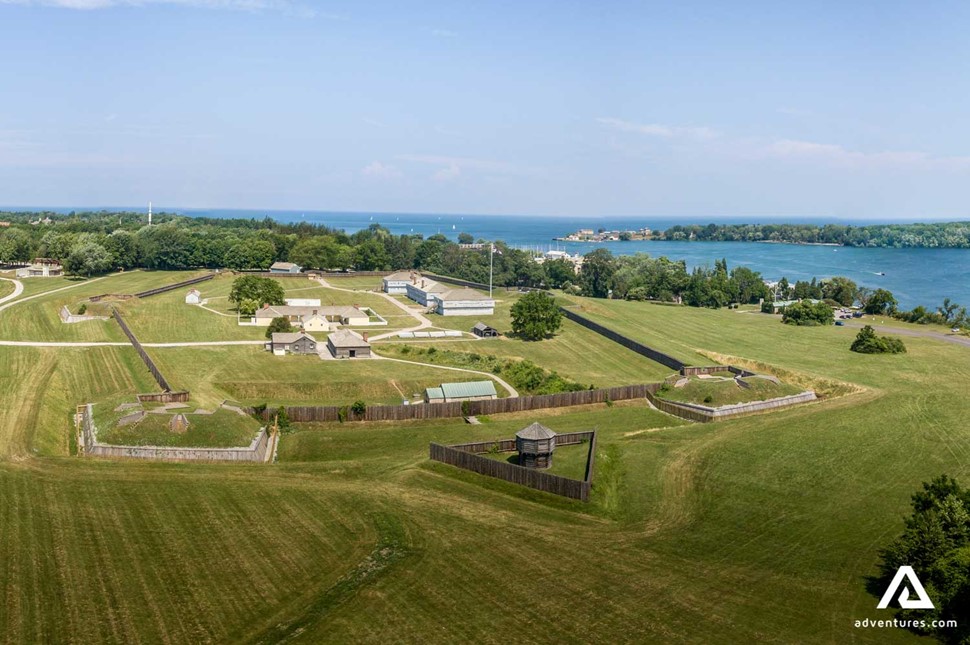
x,y
282,419
280,324
466,408
806,313
82,309
359,407
867,342
708,399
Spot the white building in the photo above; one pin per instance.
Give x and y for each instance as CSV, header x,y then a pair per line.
x,y
464,302
397,282
423,290
303,302
193,297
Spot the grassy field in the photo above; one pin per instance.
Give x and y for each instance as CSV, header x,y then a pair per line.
x,y
567,461
6,288
361,283
755,529
152,319
37,319
222,429
716,393
252,376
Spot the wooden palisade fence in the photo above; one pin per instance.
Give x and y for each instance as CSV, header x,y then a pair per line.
x,y
463,408
162,382
462,457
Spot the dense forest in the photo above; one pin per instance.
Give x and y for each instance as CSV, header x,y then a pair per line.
x,y
952,235
98,242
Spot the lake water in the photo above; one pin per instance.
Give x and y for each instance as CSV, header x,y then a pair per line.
x,y
915,276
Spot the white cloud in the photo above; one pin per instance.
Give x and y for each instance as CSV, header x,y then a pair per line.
x,y
837,155
659,130
449,173
381,171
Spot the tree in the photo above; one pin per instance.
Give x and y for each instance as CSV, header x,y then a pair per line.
x,y
840,289
322,252
936,543
465,238
87,259
809,314
558,272
596,274
253,287
123,247
880,302
536,315
279,325
14,246
250,254
867,342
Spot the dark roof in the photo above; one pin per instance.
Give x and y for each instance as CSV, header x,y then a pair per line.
x,y
535,432
480,326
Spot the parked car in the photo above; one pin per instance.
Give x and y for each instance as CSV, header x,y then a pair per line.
x,y
839,323
955,330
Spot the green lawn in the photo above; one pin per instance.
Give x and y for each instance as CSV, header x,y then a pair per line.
x,y
362,283
567,461
6,288
759,529
38,319
222,429
252,376
166,317
715,393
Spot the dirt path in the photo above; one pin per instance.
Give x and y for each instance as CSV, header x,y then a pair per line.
x,y
18,288
508,388
45,293
204,343
423,322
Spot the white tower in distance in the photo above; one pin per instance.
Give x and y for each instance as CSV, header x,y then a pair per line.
x,y
149,213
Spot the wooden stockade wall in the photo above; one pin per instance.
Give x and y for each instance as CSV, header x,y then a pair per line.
x,y
164,397
141,351
629,343
536,479
508,445
172,287
326,413
711,369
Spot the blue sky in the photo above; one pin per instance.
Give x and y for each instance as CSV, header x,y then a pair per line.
x,y
694,109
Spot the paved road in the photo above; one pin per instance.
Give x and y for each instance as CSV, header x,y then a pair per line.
x,y
210,343
18,288
920,333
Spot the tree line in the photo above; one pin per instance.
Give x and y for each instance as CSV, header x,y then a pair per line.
x,y
97,242
949,235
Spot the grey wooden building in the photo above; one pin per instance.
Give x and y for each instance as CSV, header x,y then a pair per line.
x,y
484,331
345,343
292,343
535,445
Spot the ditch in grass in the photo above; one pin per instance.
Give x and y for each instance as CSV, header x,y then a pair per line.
x,y
222,429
